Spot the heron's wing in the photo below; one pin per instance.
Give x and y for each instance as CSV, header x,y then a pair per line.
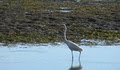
x,y
72,43
73,46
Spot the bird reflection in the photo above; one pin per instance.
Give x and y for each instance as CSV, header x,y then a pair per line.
x,y
79,67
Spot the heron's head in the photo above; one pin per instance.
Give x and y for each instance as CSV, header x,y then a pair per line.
x,y
64,24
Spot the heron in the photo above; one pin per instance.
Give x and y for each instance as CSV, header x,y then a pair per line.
x,y
71,45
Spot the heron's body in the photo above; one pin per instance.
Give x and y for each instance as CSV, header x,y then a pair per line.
x,y
72,46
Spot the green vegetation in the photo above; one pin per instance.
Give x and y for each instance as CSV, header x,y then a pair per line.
x,y
37,21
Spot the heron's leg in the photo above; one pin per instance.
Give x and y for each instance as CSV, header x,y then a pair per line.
x,y
72,58
72,55
72,63
79,56
79,59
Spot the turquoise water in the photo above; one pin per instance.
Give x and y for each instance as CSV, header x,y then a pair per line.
x,y
57,56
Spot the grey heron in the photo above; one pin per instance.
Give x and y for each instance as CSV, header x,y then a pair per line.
x,y
72,46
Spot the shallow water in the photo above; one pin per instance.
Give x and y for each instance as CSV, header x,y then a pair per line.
x,y
58,57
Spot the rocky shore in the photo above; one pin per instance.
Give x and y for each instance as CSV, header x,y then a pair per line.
x,y
84,22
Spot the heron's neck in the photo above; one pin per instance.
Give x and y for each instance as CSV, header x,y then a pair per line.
x,y
65,33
